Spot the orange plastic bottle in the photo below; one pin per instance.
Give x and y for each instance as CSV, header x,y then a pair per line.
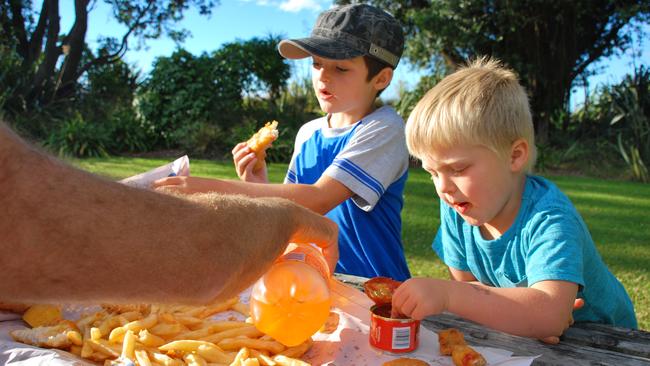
x,y
292,300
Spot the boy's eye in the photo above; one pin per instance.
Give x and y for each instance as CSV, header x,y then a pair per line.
x,y
459,171
315,65
341,69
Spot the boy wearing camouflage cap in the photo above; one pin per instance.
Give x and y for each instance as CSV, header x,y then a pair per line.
x,y
351,164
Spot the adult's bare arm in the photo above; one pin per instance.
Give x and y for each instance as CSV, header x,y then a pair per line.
x,y
71,236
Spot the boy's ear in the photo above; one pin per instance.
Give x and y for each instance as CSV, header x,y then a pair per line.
x,y
383,78
519,155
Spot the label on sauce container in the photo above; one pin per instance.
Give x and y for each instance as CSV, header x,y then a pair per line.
x,y
396,335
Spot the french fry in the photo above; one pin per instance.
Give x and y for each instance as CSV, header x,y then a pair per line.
x,y
218,307
108,324
288,361
128,346
299,350
75,350
150,340
250,362
241,355
165,360
117,335
145,323
86,349
142,357
104,347
85,322
193,359
132,316
98,356
248,331
212,353
210,328
95,333
188,321
167,318
75,337
236,343
184,345
167,330
263,358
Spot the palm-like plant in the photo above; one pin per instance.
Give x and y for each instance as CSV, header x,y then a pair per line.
x,y
631,104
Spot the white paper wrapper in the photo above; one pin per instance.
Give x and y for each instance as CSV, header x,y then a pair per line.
x,y
347,345
178,167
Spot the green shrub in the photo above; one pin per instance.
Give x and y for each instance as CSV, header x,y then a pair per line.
x,y
77,137
631,103
128,132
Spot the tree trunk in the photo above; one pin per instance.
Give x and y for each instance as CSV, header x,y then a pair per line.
x,y
45,74
75,42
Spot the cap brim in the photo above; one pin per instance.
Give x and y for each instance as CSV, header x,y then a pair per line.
x,y
316,46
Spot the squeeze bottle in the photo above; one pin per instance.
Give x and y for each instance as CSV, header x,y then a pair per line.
x,y
292,300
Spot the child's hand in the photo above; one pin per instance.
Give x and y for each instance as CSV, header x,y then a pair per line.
x,y
245,159
183,185
418,298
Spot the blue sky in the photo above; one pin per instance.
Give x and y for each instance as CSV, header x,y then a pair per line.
x,y
243,19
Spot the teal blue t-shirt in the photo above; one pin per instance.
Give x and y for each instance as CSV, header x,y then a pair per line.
x,y
548,241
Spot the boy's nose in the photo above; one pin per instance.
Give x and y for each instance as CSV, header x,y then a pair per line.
x,y
323,75
445,185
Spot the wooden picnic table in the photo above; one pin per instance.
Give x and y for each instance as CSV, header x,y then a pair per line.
x,y
582,344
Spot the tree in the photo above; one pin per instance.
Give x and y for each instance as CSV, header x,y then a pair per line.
x,y
52,60
549,43
187,94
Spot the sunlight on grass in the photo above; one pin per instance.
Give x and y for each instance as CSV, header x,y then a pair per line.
x,y
615,212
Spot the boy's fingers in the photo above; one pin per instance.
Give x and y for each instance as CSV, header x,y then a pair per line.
x,y
550,340
240,146
249,164
244,165
240,154
169,181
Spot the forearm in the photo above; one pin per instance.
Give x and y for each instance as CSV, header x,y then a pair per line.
x,y
306,195
526,312
126,244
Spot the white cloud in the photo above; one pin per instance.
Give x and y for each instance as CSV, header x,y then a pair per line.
x,y
298,5
294,6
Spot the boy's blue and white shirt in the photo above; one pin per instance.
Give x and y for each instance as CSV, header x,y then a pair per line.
x,y
548,241
371,159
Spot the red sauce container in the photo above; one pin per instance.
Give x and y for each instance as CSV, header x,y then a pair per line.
x,y
393,335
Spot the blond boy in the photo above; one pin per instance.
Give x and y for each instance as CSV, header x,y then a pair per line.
x,y
352,164
518,252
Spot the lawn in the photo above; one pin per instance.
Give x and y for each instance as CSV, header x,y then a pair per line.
x,y
617,213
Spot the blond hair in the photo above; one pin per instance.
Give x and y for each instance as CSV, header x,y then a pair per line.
x,y
481,104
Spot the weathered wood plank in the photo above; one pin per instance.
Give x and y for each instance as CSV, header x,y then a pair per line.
x,y
623,340
565,353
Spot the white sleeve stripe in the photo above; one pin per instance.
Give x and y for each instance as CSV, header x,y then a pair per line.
x,y
291,176
360,175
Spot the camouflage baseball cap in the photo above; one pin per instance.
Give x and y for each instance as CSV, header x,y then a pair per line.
x,y
350,31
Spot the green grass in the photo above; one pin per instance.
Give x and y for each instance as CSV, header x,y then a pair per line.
x,y
616,212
